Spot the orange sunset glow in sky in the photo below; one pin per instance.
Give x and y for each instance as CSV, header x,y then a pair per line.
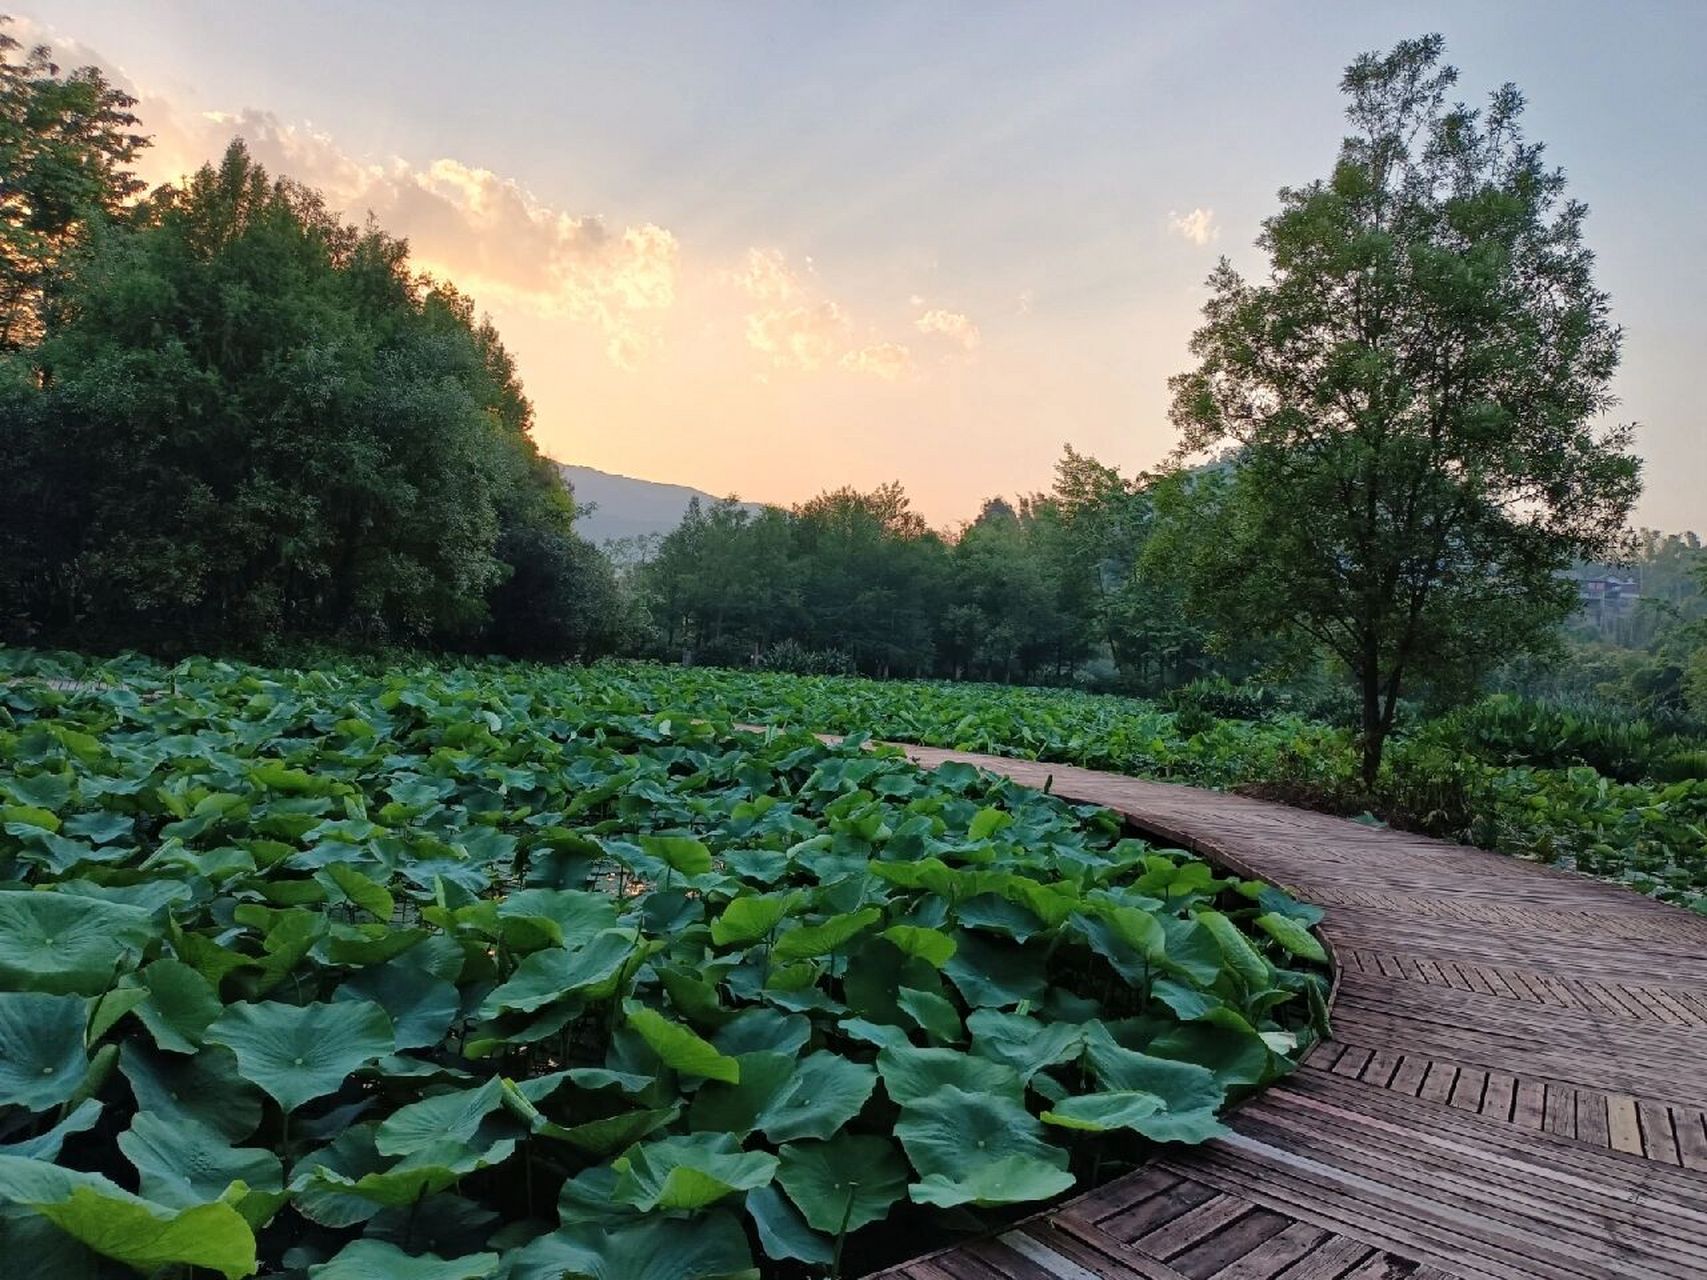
x,y
769,249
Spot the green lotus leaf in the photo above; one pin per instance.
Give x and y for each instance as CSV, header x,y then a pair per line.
x,y
28,821
370,895
749,918
182,1163
421,1005
881,1034
996,973
558,973
783,1233
1293,936
206,1088
806,941
347,1158
1022,1042
42,1059
1099,1112
60,944
297,1053
50,791
106,1009
847,1182
736,1108
950,1130
986,822
142,1235
931,945
180,1005
1236,949
99,827
758,1029
689,1171
910,1074
421,1173
787,1098
680,1048
1183,1086
1011,1179
932,1013
825,1093
1191,1093
52,1254
684,853
45,1145
455,1116
567,917
380,1260
709,1246
614,1133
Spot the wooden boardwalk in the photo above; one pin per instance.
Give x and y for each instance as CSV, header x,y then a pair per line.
x,y
1516,1085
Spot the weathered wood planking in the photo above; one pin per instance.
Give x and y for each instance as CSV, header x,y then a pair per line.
x,y
1516,1088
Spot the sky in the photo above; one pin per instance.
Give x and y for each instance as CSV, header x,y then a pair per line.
x,y
769,248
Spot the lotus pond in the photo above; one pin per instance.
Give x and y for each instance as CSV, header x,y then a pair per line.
x,y
499,972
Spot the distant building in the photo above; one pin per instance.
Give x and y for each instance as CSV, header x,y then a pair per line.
x,y
1605,598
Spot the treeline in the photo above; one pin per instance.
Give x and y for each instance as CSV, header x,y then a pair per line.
x,y
1070,584
230,419
1644,652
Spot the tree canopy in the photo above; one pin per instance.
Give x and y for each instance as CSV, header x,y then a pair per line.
x,y
1411,398
251,420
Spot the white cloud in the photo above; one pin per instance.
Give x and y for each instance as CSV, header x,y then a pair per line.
x,y
487,233
1198,226
796,328
766,277
953,325
802,337
505,246
889,361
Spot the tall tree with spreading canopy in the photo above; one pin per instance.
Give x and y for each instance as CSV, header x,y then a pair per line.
x,y
1410,398
67,140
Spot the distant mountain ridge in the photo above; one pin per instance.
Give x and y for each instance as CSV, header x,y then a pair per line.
x,y
626,507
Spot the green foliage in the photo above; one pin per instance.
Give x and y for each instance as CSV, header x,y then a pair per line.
x,y
67,141
252,421
1408,403
1520,787
466,972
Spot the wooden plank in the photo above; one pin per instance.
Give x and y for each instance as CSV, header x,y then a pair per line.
x,y
1562,1110
1099,1252
1498,1182
1211,1256
1329,1261
1591,1118
1128,1224
1690,1126
1623,1127
1177,1235
1274,1255
1658,1140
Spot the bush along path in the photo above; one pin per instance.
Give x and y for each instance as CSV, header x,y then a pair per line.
x,y
491,974
1513,1087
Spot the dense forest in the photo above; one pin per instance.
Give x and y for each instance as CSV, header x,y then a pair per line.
x,y
235,421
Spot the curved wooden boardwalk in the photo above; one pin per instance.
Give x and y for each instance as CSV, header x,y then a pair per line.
x,y
1516,1085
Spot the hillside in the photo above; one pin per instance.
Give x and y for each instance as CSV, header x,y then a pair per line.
x,y
624,507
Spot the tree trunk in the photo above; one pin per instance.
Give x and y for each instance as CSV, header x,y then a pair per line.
x,y
1374,726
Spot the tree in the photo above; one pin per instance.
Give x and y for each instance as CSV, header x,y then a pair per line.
x,y
1410,398
256,421
66,144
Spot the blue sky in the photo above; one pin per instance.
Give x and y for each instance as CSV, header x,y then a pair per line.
x,y
771,248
